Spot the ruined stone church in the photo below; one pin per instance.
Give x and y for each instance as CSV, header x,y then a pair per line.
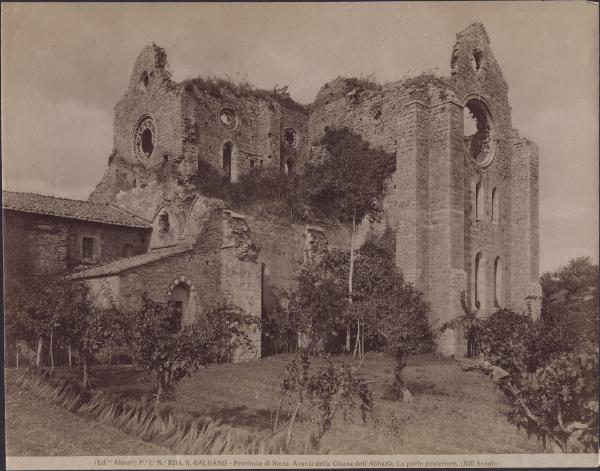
x,y
462,204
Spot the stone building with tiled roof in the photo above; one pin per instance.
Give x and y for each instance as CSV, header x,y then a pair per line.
x,y
45,234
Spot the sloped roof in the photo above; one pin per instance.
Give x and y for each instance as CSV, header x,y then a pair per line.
x,y
127,263
71,209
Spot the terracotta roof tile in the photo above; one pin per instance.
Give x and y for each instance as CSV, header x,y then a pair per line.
x,y
71,209
124,264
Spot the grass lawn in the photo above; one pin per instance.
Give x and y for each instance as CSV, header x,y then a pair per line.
x,y
453,411
37,428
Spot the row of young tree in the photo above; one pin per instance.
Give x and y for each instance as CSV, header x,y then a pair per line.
x,y
59,312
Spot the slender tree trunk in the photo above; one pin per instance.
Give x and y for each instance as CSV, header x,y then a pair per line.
x,y
158,395
357,341
347,348
350,281
17,352
69,352
276,423
85,373
362,341
38,357
291,426
51,352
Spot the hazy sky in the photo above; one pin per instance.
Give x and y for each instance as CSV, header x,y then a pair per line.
x,y
64,66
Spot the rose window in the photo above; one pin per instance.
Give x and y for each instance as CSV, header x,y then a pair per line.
x,y
228,118
144,138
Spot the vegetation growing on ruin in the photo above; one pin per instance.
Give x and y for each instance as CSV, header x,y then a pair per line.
x,y
349,184
217,87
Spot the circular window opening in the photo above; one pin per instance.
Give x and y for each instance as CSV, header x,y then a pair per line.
x,y
478,132
144,138
228,118
290,137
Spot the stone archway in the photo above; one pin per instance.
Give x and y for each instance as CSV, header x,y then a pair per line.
x,y
183,293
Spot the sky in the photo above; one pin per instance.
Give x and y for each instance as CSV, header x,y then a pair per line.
x,y
65,66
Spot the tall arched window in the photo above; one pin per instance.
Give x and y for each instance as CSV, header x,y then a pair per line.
x,y
497,281
495,213
288,167
227,150
478,281
478,202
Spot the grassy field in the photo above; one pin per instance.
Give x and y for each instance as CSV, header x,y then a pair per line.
x,y
453,411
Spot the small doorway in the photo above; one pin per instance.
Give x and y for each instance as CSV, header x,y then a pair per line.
x,y
180,297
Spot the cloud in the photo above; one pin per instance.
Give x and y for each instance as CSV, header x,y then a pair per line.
x,y
57,147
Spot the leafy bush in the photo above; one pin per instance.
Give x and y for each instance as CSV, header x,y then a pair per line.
x,y
559,401
548,369
504,339
170,352
335,387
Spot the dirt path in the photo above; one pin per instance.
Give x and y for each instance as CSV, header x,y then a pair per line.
x,y
37,428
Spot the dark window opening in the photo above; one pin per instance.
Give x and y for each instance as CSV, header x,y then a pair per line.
x,y
144,80
497,280
163,223
477,131
478,202
289,167
495,208
477,281
251,163
289,136
227,160
476,60
127,250
87,248
147,144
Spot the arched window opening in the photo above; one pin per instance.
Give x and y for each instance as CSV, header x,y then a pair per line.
x,y
497,281
180,297
478,282
163,223
288,168
476,60
478,202
495,212
147,144
479,136
227,150
127,250
144,80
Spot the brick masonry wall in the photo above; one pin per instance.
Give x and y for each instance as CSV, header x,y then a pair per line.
x,y
201,265
257,137
35,244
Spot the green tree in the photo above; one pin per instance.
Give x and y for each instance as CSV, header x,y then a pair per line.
x,y
392,313
169,352
578,280
348,185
